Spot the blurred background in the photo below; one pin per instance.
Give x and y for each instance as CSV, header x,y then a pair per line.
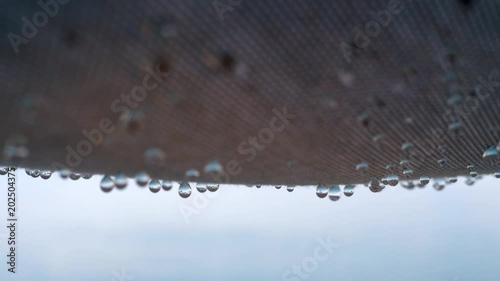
x,y
71,230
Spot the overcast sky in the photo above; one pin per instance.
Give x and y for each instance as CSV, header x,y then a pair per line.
x,y
70,230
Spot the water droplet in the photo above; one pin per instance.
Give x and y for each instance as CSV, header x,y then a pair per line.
x,y
490,153
408,184
213,167
258,185
407,172
45,175
390,167
121,181
377,138
349,190
442,162
35,173
375,185
455,126
473,174
392,179
497,175
107,184
86,176
470,167
362,167
184,190
424,180
384,180
192,174
404,163
74,176
142,179
201,188
439,184
154,186
3,171
334,193
278,186
133,122
15,147
28,172
346,77
64,173
212,187
321,191
154,156
290,188
166,185
451,180
407,146
470,181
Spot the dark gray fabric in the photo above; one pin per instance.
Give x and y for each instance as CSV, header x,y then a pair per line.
x,y
420,74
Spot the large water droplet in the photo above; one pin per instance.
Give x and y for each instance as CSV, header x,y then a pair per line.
x,y
473,174
166,185
201,187
184,190
3,171
497,175
154,156
121,181
212,187
490,153
321,191
470,167
278,186
334,193
213,167
424,180
290,188
142,179
349,190
392,179
45,175
375,185
107,184
154,186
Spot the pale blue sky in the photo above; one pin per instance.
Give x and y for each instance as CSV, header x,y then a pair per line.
x,y
70,230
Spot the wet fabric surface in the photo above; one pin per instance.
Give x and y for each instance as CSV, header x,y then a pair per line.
x,y
278,92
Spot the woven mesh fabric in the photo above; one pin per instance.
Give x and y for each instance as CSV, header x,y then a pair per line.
x,y
420,74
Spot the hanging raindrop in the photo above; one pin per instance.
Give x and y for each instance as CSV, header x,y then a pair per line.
x,y
321,191
107,184
184,190
154,186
